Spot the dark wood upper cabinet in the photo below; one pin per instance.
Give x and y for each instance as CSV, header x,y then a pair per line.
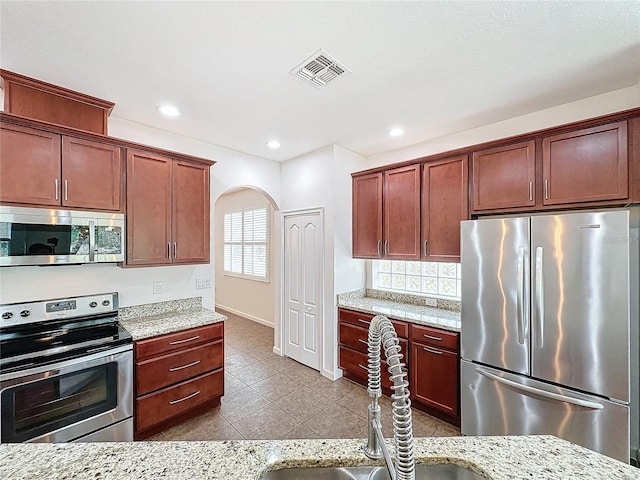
x,y
367,216
35,99
167,210
445,202
47,169
190,212
148,209
91,174
586,165
401,213
504,177
394,209
29,166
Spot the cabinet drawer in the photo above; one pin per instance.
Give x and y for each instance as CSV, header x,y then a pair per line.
x,y
364,319
435,337
174,341
355,363
167,403
178,366
356,338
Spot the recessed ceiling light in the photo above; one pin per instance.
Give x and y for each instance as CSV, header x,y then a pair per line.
x,y
273,144
396,132
169,110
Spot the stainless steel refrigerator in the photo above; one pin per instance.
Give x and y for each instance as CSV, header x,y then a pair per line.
x,y
550,328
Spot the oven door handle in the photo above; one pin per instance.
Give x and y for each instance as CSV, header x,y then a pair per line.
x,y
66,366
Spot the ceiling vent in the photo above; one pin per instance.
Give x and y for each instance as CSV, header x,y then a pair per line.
x,y
320,69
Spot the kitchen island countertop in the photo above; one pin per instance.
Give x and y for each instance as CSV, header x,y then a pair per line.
x,y
498,458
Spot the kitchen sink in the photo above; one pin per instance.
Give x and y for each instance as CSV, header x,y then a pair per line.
x,y
431,472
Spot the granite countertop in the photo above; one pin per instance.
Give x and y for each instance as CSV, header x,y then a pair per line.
x,y
497,458
418,314
145,321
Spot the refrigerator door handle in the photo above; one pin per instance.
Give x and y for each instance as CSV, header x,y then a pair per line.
x,y
520,296
539,296
543,393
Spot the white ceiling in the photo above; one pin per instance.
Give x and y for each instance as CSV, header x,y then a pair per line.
x,y
432,67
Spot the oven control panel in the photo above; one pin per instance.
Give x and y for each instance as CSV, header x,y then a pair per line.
x,y
60,306
32,312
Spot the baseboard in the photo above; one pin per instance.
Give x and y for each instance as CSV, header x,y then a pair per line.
x,y
331,375
245,315
277,350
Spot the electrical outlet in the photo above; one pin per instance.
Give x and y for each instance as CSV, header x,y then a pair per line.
x,y
431,302
157,287
204,282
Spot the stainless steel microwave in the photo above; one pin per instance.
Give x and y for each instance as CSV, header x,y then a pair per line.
x,y
39,236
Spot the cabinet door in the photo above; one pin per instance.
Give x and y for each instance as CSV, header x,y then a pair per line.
x,y
148,208
587,165
504,177
29,166
445,202
402,213
190,213
367,216
91,174
434,377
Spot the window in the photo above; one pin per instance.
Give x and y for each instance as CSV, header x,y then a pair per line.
x,y
245,244
433,279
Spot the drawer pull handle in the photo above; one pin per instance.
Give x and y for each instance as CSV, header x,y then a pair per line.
x,y
173,369
366,322
431,337
436,352
173,402
363,341
177,342
363,367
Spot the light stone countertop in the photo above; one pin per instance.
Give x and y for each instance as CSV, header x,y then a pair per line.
x,y
497,458
418,314
145,321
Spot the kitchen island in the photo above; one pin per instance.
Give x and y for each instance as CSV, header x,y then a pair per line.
x,y
498,458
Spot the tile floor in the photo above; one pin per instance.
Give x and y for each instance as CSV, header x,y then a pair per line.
x,y
272,397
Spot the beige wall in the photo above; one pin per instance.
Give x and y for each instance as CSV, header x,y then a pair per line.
x,y
250,298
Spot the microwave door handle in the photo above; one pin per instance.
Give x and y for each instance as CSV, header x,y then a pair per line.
x,y
92,240
542,393
539,298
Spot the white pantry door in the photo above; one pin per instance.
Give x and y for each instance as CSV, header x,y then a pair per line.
x,y
303,279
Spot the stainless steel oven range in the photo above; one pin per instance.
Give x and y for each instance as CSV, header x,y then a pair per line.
x,y
66,371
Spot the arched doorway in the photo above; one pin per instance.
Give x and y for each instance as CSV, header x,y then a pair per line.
x,y
247,256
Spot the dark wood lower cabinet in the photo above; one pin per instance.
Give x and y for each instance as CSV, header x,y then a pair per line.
x,y
157,407
434,378
431,356
177,376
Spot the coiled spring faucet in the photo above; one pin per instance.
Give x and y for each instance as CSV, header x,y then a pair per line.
x,y
381,331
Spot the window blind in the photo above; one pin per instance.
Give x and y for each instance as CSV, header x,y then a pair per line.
x,y
245,243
